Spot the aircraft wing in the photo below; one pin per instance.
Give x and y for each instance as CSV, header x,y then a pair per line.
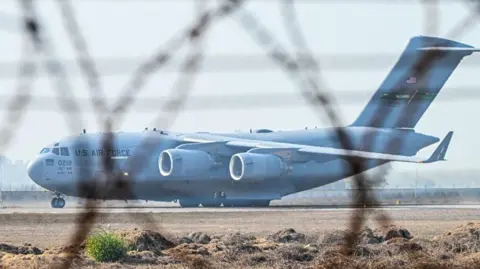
x,y
259,146
437,155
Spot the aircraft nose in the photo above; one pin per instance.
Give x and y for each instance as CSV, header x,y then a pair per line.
x,y
35,170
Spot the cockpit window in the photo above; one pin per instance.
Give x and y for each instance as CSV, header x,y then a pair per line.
x,y
55,151
64,151
45,150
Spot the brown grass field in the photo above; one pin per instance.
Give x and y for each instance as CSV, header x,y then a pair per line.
x,y
420,238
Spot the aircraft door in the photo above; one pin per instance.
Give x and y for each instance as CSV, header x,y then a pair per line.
x,y
49,171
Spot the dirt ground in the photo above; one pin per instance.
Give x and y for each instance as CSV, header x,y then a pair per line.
x,y
44,230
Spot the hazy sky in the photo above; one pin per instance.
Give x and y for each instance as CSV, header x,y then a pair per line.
x,y
134,29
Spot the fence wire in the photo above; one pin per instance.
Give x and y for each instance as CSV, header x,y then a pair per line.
x,y
38,48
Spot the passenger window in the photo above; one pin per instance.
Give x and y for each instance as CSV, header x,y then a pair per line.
x,y
55,151
64,152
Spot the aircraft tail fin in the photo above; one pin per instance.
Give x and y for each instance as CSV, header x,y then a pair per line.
x,y
441,150
412,85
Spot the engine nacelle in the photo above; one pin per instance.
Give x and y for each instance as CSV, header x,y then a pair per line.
x,y
253,166
184,163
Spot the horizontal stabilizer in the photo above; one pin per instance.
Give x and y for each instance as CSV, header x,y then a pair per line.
x,y
439,153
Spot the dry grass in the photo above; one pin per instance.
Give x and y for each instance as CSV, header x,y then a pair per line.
x,y
383,248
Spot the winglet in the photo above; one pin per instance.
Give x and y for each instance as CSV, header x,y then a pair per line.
x,y
439,153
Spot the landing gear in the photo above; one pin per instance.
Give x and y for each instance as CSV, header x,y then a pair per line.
x,y
58,201
216,201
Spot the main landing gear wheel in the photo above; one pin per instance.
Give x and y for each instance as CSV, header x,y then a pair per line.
x,y
58,202
215,201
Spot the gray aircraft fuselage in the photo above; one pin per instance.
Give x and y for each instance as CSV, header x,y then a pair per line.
x,y
62,174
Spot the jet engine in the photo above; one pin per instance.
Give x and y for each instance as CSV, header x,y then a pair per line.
x,y
254,166
184,163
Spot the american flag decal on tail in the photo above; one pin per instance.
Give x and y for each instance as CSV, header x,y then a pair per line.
x,y
412,80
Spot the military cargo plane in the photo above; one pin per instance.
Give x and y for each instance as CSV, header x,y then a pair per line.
x,y
254,168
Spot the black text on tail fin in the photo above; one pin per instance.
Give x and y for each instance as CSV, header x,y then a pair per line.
x,y
413,83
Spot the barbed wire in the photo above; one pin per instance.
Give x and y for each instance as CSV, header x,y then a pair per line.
x,y
362,196
84,60
122,182
308,81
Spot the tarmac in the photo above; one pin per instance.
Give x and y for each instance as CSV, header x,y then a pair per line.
x,y
152,207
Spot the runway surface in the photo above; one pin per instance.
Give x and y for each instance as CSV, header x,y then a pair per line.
x,y
145,208
42,226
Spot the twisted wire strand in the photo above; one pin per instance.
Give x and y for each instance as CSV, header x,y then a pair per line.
x,y
119,181
161,57
177,97
45,50
27,69
84,59
363,195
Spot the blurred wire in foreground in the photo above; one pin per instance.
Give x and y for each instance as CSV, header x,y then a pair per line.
x,y
121,183
302,68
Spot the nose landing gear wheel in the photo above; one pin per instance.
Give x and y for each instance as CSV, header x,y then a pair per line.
x,y
54,202
57,202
